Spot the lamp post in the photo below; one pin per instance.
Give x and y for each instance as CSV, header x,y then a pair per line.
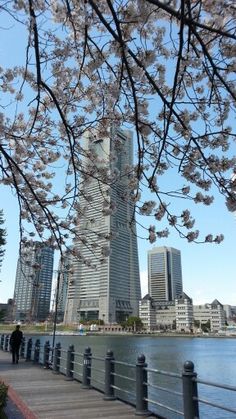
x,y
59,272
56,308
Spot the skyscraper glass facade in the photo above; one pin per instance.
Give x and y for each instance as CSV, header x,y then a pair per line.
x,y
111,291
33,283
164,273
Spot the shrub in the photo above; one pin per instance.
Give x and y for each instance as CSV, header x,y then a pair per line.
x,y
3,395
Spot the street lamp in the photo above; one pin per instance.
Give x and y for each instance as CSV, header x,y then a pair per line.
x,y
56,308
59,272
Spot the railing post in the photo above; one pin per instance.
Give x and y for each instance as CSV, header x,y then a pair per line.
x,y
70,363
36,351
190,393
6,342
109,376
2,341
86,369
29,350
46,353
22,348
56,358
141,387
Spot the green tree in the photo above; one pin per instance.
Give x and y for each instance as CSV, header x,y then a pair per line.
x,y
2,238
197,323
134,322
206,327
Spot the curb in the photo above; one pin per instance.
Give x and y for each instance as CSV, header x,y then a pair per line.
x,y
19,403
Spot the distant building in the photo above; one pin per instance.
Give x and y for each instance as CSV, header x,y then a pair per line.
x,y
210,314
3,311
181,315
6,311
184,313
166,315
218,316
230,312
33,283
147,313
64,276
164,274
108,290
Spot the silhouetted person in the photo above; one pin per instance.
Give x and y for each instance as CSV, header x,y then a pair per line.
x,y
15,342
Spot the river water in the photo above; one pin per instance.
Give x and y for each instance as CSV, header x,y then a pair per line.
x,y
214,360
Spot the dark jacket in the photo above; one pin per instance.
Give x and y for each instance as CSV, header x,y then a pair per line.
x,y
16,338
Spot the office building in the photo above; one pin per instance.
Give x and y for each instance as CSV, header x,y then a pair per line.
x,y
164,274
33,283
147,313
106,288
166,315
211,315
184,313
64,276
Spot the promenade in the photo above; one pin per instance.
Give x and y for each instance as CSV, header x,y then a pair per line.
x,y
39,393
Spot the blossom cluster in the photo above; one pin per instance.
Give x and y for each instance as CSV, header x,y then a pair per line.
x,y
165,72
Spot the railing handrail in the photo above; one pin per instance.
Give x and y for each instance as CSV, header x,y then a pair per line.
x,y
213,384
218,406
162,372
51,358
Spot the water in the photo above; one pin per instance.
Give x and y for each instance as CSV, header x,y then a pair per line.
x,y
214,360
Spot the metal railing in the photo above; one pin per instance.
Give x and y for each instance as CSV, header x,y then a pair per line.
x,y
133,383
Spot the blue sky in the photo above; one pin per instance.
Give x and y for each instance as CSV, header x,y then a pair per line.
x,y
208,269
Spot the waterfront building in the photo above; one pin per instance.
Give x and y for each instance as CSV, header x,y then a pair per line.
x,y
171,315
230,312
166,315
210,314
181,315
147,313
164,274
218,316
107,289
33,283
184,313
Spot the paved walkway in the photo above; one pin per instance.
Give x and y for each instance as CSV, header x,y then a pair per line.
x,y
39,393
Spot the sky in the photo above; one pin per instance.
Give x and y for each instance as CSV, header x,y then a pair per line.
x,y
208,269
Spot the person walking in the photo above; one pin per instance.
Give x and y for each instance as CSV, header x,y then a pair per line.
x,y
15,342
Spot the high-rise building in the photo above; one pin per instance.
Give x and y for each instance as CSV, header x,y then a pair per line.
x,y
33,283
164,273
64,276
109,291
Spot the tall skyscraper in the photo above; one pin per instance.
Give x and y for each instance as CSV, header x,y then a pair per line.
x,y
33,283
111,291
164,273
64,277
